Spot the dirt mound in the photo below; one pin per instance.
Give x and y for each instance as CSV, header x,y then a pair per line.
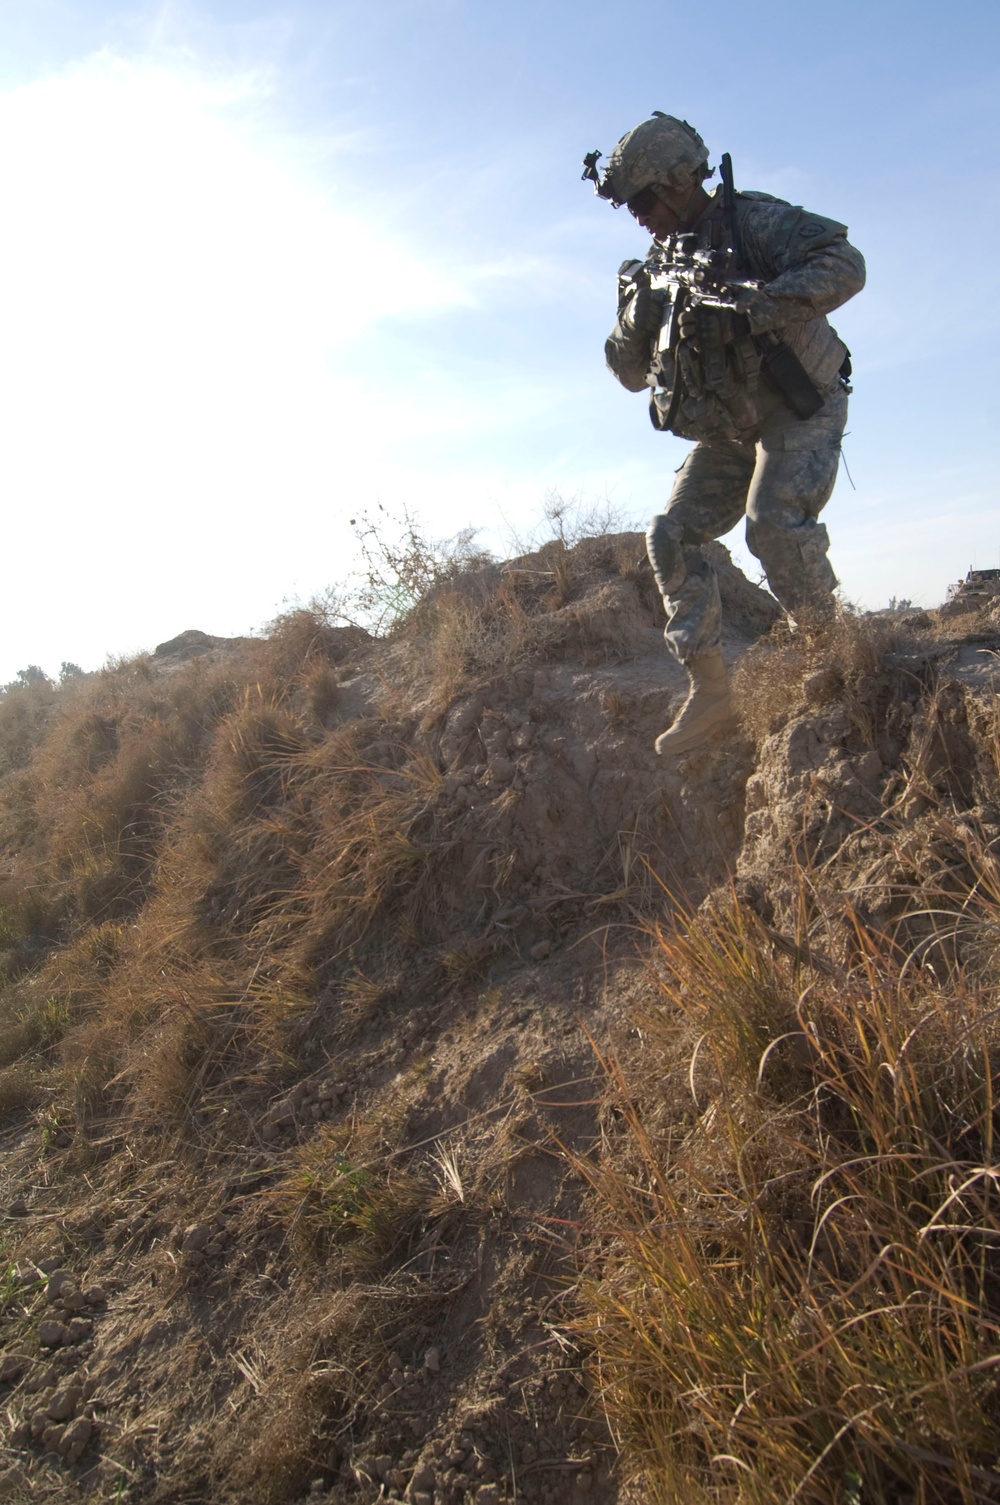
x,y
327,927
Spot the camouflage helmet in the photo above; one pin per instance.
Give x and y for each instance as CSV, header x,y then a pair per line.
x,y
661,151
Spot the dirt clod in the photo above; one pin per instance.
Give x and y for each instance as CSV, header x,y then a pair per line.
x,y
60,1284
76,1438
12,1367
64,1403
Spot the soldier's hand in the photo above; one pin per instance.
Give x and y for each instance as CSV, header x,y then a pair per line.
x,y
746,299
645,311
732,326
687,326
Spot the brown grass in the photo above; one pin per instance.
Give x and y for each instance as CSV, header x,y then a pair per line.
x,y
856,662
192,859
26,713
795,1296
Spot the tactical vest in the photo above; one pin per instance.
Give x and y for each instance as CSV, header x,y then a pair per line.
x,y
708,392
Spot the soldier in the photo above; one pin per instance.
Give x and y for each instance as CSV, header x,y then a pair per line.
x,y
750,369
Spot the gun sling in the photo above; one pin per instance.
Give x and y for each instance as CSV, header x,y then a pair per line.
x,y
778,361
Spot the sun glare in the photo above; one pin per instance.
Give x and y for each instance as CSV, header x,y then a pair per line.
x,y
179,303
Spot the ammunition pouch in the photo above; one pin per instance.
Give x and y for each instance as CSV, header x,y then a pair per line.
x,y
783,369
708,392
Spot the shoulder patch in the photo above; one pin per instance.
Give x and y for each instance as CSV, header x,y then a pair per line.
x,y
811,229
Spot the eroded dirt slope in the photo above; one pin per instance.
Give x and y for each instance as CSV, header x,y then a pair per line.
x,y
306,1026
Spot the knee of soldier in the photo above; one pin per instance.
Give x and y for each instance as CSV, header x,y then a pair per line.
x,y
757,534
767,512
769,540
801,527
776,548
665,554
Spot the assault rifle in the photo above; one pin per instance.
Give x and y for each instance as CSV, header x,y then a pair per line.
x,y
686,279
704,276
688,282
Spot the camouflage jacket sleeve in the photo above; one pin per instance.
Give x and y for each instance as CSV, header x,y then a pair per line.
x,y
806,261
628,351
629,356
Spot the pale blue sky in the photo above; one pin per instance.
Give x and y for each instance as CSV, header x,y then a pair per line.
x,y
268,264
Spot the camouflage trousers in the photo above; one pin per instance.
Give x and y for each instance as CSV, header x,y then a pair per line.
x,y
781,482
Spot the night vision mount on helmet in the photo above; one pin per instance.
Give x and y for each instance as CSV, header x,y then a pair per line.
x,y
660,152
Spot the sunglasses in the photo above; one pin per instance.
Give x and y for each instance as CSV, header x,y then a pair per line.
x,y
643,201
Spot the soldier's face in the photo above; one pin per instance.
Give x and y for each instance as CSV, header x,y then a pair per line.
x,y
660,213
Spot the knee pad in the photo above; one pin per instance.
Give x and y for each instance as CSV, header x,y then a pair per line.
x,y
665,555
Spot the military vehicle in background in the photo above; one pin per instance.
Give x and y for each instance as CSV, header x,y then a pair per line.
x,y
978,589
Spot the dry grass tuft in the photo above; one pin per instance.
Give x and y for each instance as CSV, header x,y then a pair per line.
x,y
344,1198
495,620
853,662
795,1296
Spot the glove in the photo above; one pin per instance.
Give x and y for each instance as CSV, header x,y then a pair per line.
x,y
644,312
755,308
735,326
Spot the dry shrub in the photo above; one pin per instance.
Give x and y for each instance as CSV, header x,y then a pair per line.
x,y
183,1048
294,849
493,619
450,610
253,759
382,846
286,1446
291,857
310,636
30,1022
572,520
401,567
855,661
84,821
795,1295
44,1019
105,790
201,1052
323,693
462,633
189,860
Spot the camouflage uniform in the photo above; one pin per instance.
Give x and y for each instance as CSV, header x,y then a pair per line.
x,y
753,455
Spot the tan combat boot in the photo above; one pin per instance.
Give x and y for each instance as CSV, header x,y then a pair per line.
x,y
708,708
